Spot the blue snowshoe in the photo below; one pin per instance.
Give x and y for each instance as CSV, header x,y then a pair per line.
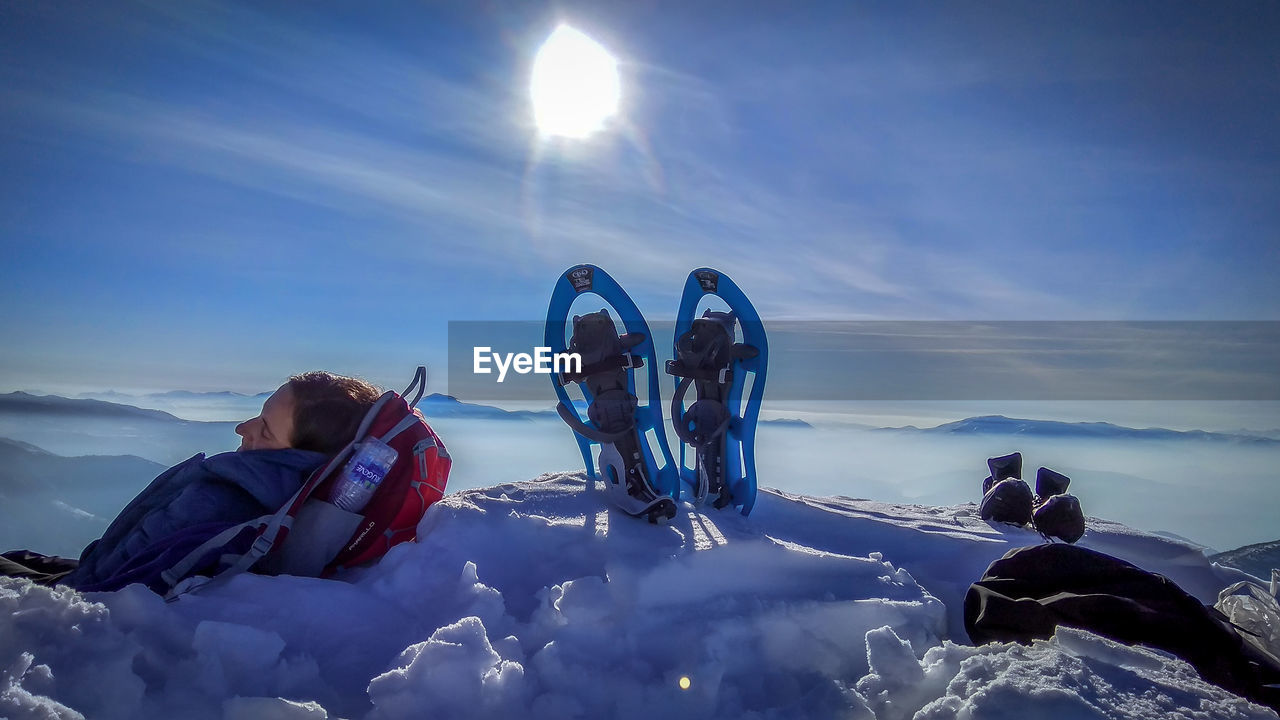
x,y
639,478
717,427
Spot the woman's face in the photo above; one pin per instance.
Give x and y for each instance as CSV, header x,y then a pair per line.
x,y
273,427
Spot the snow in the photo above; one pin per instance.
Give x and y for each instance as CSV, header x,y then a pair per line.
x,y
535,599
1075,674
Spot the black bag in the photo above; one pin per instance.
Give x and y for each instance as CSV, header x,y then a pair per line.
x,y
1060,516
1030,591
1008,501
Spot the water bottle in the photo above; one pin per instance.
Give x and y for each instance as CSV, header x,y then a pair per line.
x,y
368,465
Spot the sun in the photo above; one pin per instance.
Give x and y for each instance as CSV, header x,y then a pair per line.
x,y
575,85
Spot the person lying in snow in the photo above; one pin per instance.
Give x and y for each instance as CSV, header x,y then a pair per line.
x,y
306,420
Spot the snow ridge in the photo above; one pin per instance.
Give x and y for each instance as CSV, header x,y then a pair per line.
x,y
535,599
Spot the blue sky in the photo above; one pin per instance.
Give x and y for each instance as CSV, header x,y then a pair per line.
x,y
216,195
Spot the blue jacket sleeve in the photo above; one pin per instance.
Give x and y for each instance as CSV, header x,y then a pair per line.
x,y
221,490
158,493
210,499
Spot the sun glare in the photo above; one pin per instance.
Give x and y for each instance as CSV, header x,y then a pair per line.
x,y
575,85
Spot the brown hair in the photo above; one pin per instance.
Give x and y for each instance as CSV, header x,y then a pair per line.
x,y
327,409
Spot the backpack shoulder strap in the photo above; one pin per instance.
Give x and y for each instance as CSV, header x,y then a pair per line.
x,y
180,569
272,528
419,381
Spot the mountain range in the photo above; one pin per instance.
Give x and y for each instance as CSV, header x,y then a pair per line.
x,y
26,468
438,405
1258,559
1001,425
115,396
22,402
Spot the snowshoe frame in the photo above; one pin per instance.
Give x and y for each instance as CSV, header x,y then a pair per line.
x,y
657,464
738,465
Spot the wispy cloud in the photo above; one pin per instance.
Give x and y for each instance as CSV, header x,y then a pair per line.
x,y
961,171
436,151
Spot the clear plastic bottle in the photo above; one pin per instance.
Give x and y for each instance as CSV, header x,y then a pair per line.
x,y
369,464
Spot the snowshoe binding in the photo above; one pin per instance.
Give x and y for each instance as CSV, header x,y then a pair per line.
x,y
634,478
716,427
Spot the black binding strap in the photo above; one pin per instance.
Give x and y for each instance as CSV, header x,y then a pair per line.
x,y
617,362
680,417
720,376
587,431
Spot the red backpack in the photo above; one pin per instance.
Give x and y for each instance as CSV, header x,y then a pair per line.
x,y
309,535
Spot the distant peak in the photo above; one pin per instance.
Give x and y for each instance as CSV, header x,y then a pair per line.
x,y
1000,424
25,402
28,447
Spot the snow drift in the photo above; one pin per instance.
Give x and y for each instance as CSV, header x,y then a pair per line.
x,y
535,599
